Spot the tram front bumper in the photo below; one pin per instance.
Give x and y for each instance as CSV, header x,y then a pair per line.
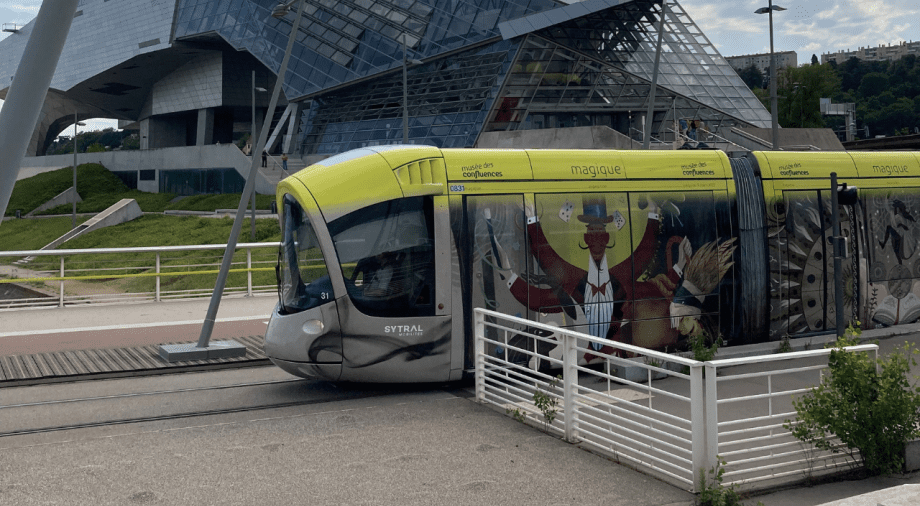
x,y
304,345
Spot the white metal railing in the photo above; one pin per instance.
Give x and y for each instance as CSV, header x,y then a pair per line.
x,y
57,273
750,398
619,410
668,414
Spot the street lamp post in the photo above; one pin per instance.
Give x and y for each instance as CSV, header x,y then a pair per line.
x,y
252,138
769,10
405,96
405,64
647,135
73,219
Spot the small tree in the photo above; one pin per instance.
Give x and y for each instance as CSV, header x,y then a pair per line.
x,y
868,403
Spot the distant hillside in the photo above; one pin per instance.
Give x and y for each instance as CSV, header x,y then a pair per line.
x,y
886,94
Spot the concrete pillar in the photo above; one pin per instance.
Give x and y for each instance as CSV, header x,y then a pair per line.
x,y
205,129
145,133
27,92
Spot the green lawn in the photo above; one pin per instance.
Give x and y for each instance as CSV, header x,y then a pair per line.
x,y
148,230
99,188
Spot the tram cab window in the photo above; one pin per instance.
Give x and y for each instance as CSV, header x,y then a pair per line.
x,y
303,279
386,253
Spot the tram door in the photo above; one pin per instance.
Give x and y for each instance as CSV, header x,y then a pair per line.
x,y
395,321
803,265
490,231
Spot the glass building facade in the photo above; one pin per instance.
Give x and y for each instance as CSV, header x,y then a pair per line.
x,y
488,65
474,66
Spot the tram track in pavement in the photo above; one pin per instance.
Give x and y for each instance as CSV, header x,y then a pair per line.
x,y
65,413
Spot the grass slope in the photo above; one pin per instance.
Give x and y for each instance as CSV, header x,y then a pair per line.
x,y
149,230
99,188
32,234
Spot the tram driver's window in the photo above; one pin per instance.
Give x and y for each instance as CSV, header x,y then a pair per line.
x,y
303,279
387,257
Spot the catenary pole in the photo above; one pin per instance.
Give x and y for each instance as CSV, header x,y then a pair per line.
x,y
208,326
252,235
73,219
27,92
405,95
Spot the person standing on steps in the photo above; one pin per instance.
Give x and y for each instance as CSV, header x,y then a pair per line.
x,y
284,161
264,159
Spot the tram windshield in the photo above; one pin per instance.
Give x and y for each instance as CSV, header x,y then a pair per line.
x,y
387,256
303,279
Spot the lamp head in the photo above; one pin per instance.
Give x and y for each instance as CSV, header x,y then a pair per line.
x,y
282,9
764,10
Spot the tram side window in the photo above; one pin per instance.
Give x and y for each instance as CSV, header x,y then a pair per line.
x,y
387,257
303,279
893,246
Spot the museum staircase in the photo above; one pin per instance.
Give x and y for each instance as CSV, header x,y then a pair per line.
x,y
274,171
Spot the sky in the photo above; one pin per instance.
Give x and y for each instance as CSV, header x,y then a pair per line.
x,y
808,26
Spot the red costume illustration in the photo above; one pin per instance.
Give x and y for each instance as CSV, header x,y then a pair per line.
x,y
606,295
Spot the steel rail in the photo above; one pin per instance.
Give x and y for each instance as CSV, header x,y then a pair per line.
x,y
179,416
142,394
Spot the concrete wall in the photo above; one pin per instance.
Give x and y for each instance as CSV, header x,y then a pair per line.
x,y
192,157
66,197
595,137
796,138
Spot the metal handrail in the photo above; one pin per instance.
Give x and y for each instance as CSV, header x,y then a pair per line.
x,y
809,147
752,137
57,272
136,249
652,138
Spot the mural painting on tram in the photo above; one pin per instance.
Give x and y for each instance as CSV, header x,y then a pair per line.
x,y
802,263
893,220
638,268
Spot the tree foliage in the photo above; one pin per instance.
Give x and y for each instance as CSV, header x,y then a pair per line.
x,y
800,90
752,77
107,139
887,94
868,404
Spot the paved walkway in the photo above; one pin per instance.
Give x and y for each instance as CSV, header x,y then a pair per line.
x,y
484,445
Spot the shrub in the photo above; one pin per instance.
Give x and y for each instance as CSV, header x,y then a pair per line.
x,y
713,492
867,403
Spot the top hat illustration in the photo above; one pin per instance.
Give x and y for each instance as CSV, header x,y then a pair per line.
x,y
595,209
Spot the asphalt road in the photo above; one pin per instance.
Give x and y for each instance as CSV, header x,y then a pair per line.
x,y
342,445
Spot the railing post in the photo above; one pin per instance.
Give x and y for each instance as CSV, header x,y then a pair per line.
x,y
697,423
712,417
61,301
249,271
569,384
480,351
156,295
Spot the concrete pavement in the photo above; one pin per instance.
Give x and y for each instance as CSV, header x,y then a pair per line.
x,y
44,330
74,318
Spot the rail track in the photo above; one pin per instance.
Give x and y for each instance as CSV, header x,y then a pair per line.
x,y
94,411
